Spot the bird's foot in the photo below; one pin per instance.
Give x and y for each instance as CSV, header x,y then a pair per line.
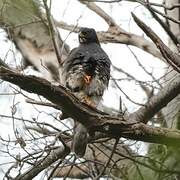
x,y
87,79
88,101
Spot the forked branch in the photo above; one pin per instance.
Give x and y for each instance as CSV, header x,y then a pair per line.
x,y
171,57
96,120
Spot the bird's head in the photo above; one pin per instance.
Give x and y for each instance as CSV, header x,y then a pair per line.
x,y
88,35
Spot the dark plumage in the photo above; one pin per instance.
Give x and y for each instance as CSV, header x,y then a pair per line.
x,y
86,73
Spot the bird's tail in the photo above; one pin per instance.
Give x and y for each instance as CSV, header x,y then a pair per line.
x,y
80,139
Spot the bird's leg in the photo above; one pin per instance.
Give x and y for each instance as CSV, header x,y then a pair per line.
x,y
88,101
87,79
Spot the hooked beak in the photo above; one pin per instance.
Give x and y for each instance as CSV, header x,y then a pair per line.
x,y
82,37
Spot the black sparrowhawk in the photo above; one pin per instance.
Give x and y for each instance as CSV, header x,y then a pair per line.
x,y
86,72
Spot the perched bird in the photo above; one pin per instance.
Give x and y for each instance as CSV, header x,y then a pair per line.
x,y
86,72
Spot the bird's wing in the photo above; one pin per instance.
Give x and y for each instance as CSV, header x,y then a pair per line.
x,y
73,70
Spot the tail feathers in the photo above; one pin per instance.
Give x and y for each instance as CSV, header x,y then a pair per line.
x,y
80,140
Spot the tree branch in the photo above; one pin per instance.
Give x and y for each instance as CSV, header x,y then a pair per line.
x,y
99,121
53,156
53,32
171,57
118,36
109,20
163,24
3,64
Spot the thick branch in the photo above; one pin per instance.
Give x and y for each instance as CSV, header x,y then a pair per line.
x,y
96,120
109,20
172,58
157,102
118,36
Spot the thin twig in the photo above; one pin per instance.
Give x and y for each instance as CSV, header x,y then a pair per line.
x,y
43,103
171,57
164,26
110,157
53,32
109,20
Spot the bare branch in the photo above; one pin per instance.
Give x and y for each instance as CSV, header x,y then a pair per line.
x,y
164,25
53,156
171,57
2,63
109,159
157,102
99,121
53,33
118,36
109,20
42,103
